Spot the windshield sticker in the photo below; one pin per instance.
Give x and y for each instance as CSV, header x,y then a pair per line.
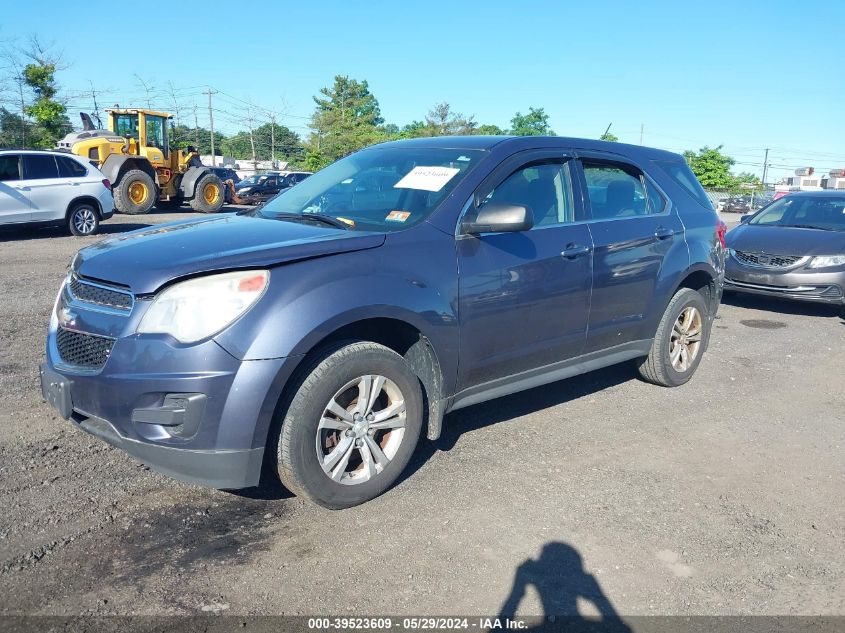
x,y
427,178
397,216
347,221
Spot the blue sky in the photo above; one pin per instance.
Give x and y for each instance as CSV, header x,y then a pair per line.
x,y
748,75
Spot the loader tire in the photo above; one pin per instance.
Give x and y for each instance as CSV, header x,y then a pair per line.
x,y
208,194
135,194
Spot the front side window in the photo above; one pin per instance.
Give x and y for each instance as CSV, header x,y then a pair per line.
x,y
9,167
615,190
545,188
378,189
126,124
38,166
816,212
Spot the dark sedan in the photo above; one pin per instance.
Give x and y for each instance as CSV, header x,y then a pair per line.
x,y
794,248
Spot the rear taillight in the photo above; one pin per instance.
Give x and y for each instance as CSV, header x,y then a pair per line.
x,y
721,229
107,184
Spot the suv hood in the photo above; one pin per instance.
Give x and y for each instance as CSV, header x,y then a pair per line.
x,y
784,240
144,260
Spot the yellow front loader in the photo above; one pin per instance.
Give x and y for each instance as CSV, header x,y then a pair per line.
x,y
134,154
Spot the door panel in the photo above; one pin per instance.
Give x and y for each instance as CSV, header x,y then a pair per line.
x,y
523,304
631,234
14,197
48,194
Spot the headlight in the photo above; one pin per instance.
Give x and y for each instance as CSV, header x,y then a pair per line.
x,y
198,308
827,261
244,190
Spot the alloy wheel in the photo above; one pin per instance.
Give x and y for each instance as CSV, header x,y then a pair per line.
x,y
84,220
361,429
685,341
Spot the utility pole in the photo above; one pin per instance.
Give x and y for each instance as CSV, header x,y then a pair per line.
x,y
273,140
765,166
642,129
211,124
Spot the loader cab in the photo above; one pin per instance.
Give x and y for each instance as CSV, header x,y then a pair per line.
x,y
147,133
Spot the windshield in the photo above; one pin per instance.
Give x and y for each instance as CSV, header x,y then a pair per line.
x,y
380,189
821,212
252,180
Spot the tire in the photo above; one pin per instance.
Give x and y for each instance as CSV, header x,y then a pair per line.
x,y
83,219
170,205
136,193
208,194
335,377
658,367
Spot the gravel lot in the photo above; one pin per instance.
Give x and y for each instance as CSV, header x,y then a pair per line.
x,y
724,496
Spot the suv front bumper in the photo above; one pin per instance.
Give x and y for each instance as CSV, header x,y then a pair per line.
x,y
194,413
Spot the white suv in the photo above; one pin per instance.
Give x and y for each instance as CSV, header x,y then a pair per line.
x,y
55,188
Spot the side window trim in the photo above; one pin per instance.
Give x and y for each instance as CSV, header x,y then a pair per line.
x,y
514,163
619,160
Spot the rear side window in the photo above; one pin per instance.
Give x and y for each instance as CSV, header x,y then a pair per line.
x,y
682,174
10,167
615,190
38,166
69,168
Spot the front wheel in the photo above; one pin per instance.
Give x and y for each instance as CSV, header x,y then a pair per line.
x,y
135,193
208,194
351,427
83,220
680,341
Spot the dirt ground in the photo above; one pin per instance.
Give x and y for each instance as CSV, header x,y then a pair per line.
x,y
593,495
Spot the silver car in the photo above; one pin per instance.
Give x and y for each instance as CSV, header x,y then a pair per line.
x,y
794,248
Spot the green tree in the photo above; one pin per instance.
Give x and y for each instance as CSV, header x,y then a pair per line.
x,y
712,167
346,118
442,121
489,129
535,123
49,114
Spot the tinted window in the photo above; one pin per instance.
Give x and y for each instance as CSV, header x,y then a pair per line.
x,y
544,188
9,168
69,168
615,190
682,174
37,166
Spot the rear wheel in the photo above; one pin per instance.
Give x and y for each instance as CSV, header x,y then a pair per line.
x,y
680,341
351,427
208,194
135,193
83,219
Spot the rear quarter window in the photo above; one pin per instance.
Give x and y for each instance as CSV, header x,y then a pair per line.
x,y
682,175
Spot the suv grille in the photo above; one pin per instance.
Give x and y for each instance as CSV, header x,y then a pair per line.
x,y
99,295
766,261
83,350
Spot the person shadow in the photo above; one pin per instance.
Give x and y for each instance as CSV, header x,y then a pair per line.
x,y
559,577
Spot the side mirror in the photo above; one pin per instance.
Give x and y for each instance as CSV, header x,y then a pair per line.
x,y
744,218
498,218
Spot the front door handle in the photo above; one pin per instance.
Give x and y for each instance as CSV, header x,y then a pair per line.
x,y
662,233
574,250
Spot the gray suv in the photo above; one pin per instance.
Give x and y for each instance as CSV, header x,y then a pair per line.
x,y
324,333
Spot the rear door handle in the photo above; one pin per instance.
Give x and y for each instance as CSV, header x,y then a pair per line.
x,y
574,250
662,233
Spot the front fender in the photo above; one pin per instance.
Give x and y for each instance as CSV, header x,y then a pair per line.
x,y
189,180
411,278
